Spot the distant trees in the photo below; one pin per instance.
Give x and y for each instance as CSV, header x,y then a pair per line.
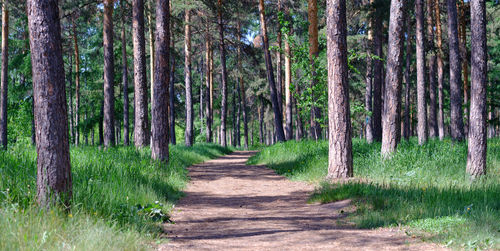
x,y
54,184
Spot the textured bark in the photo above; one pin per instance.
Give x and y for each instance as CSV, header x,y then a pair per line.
x,y
109,73
141,132
457,121
261,123
440,70
54,184
368,79
378,79
288,93
159,109
431,59
171,109
462,41
279,62
278,118
189,134
70,90
392,98
340,144
208,79
407,121
422,131
222,46
476,157
151,51
77,83
243,90
126,126
5,72
312,16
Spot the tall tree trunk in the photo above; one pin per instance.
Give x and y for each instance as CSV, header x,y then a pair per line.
x,y
456,120
368,78
462,41
224,74
141,132
378,77
339,117
440,70
261,123
189,134
151,52
278,119
208,83
431,58
422,131
77,83
476,158
54,184
288,93
407,121
312,13
242,89
5,72
159,110
392,98
109,73
70,92
172,84
101,122
126,133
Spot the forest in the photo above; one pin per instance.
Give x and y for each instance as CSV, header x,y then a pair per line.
x,y
250,125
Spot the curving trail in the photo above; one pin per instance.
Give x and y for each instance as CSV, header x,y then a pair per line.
x,y
231,206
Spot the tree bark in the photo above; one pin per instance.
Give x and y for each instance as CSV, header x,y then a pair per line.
x,y
431,58
141,132
208,83
368,78
126,133
242,89
407,121
440,70
189,134
339,117
77,83
172,84
151,52
54,184
313,54
261,123
457,121
5,74
279,62
392,99
378,78
278,119
109,72
422,130
476,157
288,93
159,110
222,46
462,41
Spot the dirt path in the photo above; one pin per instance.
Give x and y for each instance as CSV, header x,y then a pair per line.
x,y
229,205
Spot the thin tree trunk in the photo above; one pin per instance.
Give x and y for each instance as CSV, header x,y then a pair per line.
x,y
54,184
279,62
141,132
278,119
407,121
340,145
70,92
422,131
189,134
456,120
261,123
224,74
491,126
431,58
313,54
172,84
476,158
77,83
208,82
392,98
101,122
5,72
288,93
151,52
109,72
462,41
126,127
159,110
440,70
378,79
242,89
368,79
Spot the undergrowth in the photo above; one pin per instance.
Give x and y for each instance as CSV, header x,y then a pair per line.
x,y
423,189
120,198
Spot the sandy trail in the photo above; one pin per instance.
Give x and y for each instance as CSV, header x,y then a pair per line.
x,y
231,206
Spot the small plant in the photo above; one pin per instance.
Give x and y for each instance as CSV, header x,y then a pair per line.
x,y
154,211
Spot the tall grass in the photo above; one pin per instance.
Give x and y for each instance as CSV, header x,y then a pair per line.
x,y
111,188
423,188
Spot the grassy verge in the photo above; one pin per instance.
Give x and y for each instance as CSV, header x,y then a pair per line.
x,y
422,188
120,197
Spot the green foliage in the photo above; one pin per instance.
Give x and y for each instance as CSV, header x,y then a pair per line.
x,y
424,189
119,195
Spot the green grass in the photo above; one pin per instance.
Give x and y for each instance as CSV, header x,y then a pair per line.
x,y
423,188
109,189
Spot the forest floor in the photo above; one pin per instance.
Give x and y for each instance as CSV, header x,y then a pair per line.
x,y
229,205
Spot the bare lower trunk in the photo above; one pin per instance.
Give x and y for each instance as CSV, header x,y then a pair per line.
x,y
224,74
77,84
126,126
368,90
208,55
476,157
54,183
440,70
392,98
422,131
159,109
189,134
462,44
378,80
5,76
407,121
242,91
340,144
109,73
288,93
431,58
172,86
